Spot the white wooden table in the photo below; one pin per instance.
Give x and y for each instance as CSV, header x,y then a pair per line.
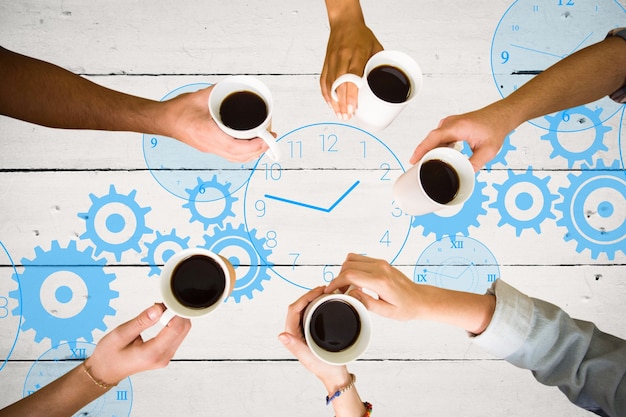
x,y
232,364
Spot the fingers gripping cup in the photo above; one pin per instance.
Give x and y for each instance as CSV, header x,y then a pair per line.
x,y
195,282
443,178
241,106
391,80
337,328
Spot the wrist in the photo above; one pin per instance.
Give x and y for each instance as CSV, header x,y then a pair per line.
x,y
336,380
342,11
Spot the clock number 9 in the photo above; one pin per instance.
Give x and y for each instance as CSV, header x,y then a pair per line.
x,y
273,171
505,57
259,205
154,142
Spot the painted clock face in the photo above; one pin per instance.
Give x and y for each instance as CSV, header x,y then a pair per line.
x,y
10,311
181,169
331,194
116,402
531,36
622,140
457,263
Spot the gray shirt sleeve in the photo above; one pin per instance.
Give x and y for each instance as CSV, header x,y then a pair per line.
x,y
587,365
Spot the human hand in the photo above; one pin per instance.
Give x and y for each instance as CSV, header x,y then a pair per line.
x,y
399,298
484,131
188,120
350,46
292,338
122,352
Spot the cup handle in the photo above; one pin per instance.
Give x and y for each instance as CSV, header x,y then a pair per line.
x,y
166,317
345,78
273,150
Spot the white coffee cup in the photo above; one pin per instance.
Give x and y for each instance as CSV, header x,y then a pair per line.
x,y
350,353
216,264
411,195
373,112
244,83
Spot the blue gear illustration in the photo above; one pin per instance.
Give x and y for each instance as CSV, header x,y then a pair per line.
x,y
224,193
524,199
90,270
500,158
115,223
576,217
229,237
460,222
585,155
170,239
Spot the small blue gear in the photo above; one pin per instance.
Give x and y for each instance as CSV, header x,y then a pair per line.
x,y
115,223
500,157
230,239
157,255
576,211
91,272
222,193
524,201
458,223
585,155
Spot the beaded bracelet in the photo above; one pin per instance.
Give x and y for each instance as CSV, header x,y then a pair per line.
x,y
368,409
341,390
95,381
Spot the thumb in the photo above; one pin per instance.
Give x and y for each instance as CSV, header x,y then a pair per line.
x,y
146,319
297,347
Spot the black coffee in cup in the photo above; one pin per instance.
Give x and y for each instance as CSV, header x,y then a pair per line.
x,y
243,110
440,181
335,325
198,282
389,83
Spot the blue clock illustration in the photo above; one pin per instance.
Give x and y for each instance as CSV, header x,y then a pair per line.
x,y
179,168
10,308
331,194
59,360
532,35
457,263
622,139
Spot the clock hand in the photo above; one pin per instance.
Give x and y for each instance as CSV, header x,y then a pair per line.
x,y
305,205
536,50
578,46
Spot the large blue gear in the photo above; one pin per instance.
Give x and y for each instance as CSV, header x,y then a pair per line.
x,y
524,201
585,155
576,216
229,237
222,193
500,158
153,247
90,270
115,223
458,223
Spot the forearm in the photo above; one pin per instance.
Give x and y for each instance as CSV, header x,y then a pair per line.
x,y
45,94
344,11
587,75
469,311
61,398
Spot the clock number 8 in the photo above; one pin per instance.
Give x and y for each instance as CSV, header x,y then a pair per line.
x,y
4,304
